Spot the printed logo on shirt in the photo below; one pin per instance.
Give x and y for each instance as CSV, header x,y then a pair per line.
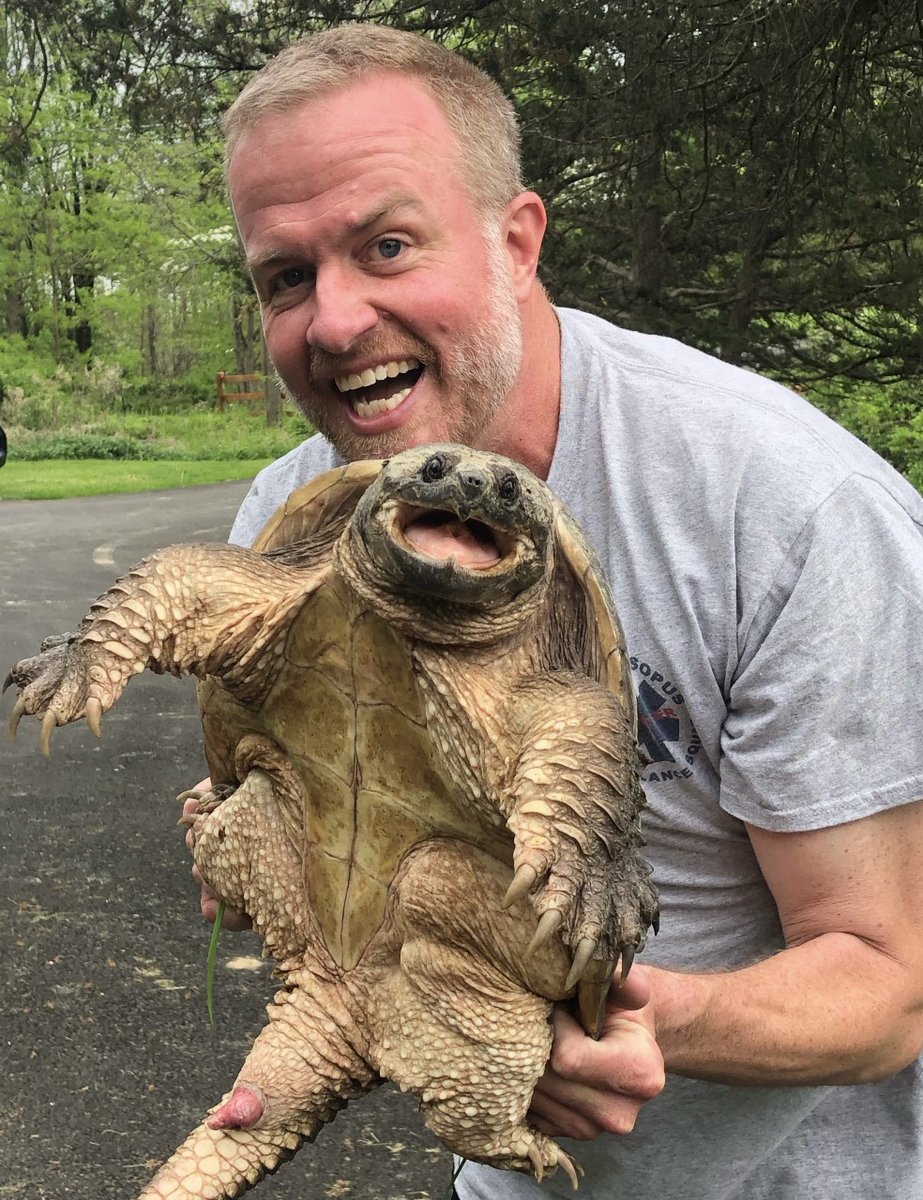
x,y
668,739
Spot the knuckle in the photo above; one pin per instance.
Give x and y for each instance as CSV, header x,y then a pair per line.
x,y
566,1059
656,1083
646,1081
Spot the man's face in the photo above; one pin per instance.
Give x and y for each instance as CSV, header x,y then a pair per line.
x,y
388,308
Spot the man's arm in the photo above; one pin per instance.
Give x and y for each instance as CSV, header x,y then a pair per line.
x,y
843,1003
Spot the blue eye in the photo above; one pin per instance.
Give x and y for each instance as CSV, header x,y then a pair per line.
x,y
390,247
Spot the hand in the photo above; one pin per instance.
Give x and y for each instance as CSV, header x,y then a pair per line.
x,y
209,900
593,1087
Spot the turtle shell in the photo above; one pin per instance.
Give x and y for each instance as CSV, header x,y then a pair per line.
x,y
346,710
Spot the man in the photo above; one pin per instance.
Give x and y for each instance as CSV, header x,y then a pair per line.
x,y
769,573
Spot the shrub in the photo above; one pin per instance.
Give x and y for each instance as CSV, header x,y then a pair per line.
x,y
95,445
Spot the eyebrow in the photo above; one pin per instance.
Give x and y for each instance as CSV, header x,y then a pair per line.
x,y
387,209
403,200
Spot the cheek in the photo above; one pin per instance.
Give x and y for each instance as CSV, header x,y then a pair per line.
x,y
442,308
285,337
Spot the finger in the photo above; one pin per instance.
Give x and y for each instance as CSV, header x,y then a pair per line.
x,y
233,918
626,1062
583,1111
560,1119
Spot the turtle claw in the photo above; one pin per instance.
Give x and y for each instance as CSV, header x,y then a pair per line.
x,y
582,955
7,683
571,1169
16,716
94,716
548,926
523,882
628,957
49,723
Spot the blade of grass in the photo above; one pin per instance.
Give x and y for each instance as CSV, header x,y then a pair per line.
x,y
210,964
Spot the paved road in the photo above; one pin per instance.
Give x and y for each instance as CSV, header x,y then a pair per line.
x,y
106,1055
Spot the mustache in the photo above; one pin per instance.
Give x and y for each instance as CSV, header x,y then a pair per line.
x,y
324,366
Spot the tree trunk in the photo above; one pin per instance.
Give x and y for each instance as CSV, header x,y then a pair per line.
x,y
274,399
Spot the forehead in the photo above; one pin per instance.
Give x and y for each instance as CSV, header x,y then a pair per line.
x,y
383,132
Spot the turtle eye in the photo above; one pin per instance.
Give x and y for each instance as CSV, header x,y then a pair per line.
x,y
509,488
434,468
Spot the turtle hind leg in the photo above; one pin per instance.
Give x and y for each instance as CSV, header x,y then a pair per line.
x,y
451,1015
302,1069
247,846
473,1059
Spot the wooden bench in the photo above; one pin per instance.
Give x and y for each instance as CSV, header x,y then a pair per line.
x,y
241,389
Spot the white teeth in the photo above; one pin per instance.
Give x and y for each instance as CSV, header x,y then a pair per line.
x,y
390,370
371,408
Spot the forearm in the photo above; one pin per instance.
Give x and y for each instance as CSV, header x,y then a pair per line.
x,y
831,1010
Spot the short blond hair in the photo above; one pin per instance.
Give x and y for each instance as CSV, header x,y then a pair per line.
x,y
478,112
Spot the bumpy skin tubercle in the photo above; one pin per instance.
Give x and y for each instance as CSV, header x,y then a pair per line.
x,y
425,793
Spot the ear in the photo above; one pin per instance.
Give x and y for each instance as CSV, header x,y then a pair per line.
x,y
524,228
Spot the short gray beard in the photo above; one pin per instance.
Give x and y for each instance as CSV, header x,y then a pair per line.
x,y
483,365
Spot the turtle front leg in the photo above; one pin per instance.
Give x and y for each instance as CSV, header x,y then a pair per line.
x,y
197,609
573,806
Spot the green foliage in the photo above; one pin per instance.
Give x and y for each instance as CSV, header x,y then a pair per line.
x,y
92,445
197,433
747,177
889,420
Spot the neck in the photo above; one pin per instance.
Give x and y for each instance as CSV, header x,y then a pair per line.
x,y
528,429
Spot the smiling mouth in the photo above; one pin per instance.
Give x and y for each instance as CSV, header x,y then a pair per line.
x,y
381,388
442,535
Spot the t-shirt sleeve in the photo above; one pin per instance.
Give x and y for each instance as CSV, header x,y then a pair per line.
x,y
254,512
825,712
275,483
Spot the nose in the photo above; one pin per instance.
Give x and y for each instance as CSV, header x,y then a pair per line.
x,y
473,481
341,311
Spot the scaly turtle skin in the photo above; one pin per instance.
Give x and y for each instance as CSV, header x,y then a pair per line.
x,y
421,737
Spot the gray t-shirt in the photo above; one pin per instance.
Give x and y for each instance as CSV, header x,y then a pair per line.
x,y
768,571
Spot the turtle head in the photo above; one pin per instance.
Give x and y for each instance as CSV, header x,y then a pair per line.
x,y
456,524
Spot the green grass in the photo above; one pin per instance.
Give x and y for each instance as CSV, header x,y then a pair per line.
x,y
94,452
55,479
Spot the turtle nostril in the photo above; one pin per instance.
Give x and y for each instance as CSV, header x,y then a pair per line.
x,y
472,481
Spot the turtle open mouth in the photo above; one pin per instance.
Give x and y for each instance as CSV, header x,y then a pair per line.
x,y
442,535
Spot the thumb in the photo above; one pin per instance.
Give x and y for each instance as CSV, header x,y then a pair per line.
x,y
634,993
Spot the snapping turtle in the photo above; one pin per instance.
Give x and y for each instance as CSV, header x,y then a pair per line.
x,y
420,730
